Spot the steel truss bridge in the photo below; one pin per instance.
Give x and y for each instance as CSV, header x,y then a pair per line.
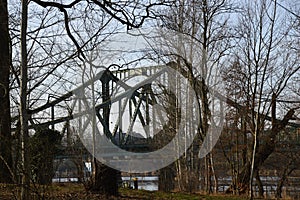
x,y
111,92
138,100
111,88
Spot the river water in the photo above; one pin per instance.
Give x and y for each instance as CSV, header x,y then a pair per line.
x,y
291,190
149,183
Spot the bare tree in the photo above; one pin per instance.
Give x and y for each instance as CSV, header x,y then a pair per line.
x,y
197,38
47,57
266,66
5,135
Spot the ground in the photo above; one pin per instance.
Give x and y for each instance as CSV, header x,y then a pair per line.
x,y
77,191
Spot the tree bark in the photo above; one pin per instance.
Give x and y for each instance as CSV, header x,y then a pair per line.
x,y
259,185
166,178
5,134
286,172
25,182
105,180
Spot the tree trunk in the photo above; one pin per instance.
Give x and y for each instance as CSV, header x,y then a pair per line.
x,y
266,149
105,180
208,182
215,178
166,178
286,172
25,189
5,135
253,159
259,185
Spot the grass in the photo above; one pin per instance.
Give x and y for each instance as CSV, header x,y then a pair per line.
x,y
156,195
76,191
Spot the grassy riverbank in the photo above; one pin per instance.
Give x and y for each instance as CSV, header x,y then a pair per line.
x,y
76,191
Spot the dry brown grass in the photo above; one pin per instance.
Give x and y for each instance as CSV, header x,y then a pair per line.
x,y
73,191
